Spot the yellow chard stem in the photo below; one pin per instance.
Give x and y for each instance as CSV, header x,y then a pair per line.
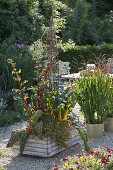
x,y
66,114
59,116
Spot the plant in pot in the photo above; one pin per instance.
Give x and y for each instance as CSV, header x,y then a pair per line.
x,y
46,111
94,94
108,124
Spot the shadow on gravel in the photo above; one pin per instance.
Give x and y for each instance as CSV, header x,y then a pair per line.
x,y
36,163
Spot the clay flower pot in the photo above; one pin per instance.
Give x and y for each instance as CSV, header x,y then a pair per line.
x,y
109,124
95,130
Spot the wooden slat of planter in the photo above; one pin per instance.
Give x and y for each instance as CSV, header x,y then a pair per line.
x,y
70,143
74,133
73,139
32,153
35,145
37,140
52,144
34,149
36,154
53,152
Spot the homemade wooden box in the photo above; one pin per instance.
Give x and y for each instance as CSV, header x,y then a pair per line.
x,y
46,147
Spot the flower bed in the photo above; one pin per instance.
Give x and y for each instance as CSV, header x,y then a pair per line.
x,y
95,159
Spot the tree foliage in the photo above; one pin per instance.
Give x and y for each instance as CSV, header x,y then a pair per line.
x,y
90,22
84,21
20,19
76,22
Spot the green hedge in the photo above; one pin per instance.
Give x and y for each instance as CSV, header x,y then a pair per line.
x,y
79,55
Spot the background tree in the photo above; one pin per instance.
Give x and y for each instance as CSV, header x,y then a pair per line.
x,y
77,22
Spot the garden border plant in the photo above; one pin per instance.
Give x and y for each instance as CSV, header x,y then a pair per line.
x,y
109,119
94,159
94,93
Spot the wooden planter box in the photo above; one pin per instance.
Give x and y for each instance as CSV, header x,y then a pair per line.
x,y
46,147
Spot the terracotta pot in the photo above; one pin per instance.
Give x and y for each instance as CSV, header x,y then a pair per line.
x,y
95,130
109,125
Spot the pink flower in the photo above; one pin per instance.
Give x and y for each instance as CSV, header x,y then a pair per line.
x,y
78,155
91,151
105,159
110,150
65,159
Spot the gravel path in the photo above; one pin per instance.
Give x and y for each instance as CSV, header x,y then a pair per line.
x,y
11,161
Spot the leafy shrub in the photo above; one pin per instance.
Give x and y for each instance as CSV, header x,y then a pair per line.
x,y
10,110
6,79
20,19
9,117
25,56
21,54
79,55
95,159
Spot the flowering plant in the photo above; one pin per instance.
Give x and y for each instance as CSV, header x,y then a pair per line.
x,y
46,109
94,93
95,159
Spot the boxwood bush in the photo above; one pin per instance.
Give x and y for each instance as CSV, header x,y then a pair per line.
x,y
80,55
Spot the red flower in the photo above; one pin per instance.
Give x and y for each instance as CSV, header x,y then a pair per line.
x,y
56,167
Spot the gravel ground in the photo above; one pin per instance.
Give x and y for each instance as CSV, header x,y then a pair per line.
x,y
11,161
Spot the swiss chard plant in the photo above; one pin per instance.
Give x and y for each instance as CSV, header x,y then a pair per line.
x,y
46,109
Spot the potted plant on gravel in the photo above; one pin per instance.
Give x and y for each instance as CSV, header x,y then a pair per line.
x,y
108,124
48,129
94,95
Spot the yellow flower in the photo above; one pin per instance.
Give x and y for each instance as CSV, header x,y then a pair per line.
x,y
82,158
25,97
66,164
